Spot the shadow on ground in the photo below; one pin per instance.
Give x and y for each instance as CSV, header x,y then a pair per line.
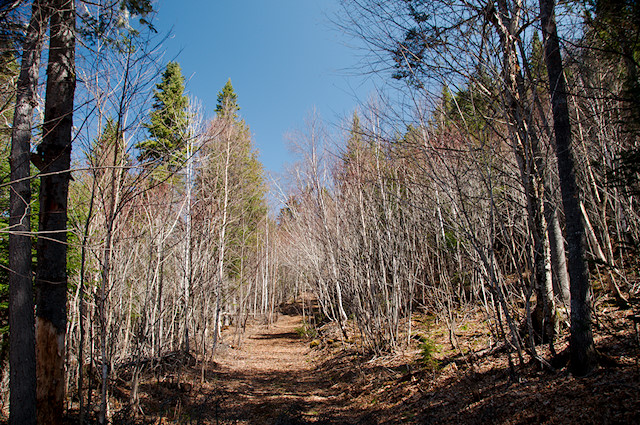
x,y
345,387
377,395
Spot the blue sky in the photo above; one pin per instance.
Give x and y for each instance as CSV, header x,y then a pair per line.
x,y
284,58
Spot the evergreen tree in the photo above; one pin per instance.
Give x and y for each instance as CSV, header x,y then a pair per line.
x,y
106,152
168,121
245,180
536,59
355,136
355,147
227,102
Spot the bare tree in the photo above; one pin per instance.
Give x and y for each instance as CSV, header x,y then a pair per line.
x,y
583,354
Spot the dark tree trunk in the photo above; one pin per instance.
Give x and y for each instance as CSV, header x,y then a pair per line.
x,y
55,155
583,354
22,353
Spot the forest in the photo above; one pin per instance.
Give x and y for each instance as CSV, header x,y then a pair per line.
x,y
463,248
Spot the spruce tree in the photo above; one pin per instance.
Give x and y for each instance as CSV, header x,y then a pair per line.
x,y
227,102
355,143
168,120
245,185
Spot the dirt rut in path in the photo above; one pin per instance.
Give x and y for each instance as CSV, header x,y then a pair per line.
x,y
271,379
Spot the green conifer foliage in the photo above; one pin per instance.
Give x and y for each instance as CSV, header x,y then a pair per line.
x,y
536,60
168,123
8,74
105,153
246,183
227,102
355,137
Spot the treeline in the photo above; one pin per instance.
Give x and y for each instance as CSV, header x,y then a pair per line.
x,y
506,176
163,237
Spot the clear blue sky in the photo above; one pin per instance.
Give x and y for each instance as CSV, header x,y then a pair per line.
x,y
284,58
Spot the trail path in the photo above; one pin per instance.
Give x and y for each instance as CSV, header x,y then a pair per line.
x,y
272,379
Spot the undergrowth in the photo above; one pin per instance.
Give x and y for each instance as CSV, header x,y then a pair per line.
x,y
306,331
426,358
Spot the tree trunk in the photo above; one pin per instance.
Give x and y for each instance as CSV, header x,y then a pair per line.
x,y
222,246
583,353
22,352
188,258
596,249
55,154
558,256
530,161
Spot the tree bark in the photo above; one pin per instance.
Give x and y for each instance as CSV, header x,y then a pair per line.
x,y
22,352
583,353
558,256
529,156
55,154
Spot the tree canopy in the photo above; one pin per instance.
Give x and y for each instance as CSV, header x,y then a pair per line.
x,y
227,105
168,122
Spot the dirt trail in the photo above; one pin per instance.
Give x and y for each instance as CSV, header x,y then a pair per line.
x,y
269,348
272,379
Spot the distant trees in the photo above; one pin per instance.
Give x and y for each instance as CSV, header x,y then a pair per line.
x,y
230,187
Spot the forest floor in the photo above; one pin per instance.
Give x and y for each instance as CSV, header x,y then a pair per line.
x,y
275,377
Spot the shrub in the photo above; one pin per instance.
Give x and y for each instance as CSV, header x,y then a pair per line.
x,y
427,350
306,331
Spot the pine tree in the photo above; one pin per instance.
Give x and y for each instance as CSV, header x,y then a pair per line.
x,y
246,178
168,121
106,152
355,136
354,148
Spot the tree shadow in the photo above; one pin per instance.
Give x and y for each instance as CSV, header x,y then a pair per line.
x,y
293,336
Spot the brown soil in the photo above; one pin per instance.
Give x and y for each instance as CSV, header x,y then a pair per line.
x,y
274,377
